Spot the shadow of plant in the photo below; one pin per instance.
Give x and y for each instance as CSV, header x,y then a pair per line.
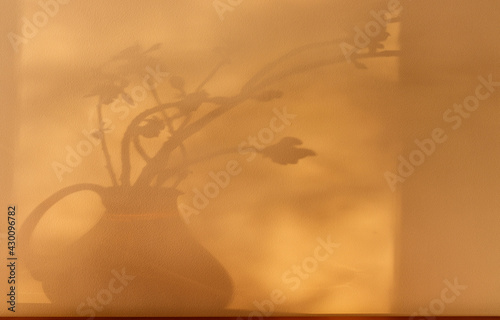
x,y
141,230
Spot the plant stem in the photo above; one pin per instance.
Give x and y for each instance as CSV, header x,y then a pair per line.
x,y
155,165
267,68
105,150
128,135
205,157
164,114
210,75
140,150
266,82
168,121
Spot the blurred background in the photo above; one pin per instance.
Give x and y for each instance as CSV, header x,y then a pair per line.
x,y
396,247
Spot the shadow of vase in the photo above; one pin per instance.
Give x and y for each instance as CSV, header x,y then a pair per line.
x,y
138,259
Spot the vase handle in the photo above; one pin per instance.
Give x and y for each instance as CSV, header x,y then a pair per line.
x,y
31,222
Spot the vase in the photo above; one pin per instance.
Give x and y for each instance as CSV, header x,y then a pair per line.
x,y
139,259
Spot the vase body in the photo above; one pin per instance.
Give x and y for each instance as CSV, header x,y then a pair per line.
x,y
139,259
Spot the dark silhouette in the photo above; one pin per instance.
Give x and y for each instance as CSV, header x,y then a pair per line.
x,y
141,230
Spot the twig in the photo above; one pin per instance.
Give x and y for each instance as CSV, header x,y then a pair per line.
x,y
105,150
322,63
154,166
203,158
139,149
127,137
267,68
210,75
